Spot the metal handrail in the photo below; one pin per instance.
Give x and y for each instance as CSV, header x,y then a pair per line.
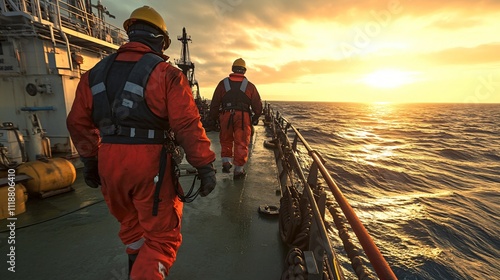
x,y
320,246
376,259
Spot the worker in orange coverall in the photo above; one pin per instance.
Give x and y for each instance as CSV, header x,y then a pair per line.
x,y
125,110
233,102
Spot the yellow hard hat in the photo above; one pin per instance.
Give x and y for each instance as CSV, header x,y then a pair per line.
x,y
148,15
240,62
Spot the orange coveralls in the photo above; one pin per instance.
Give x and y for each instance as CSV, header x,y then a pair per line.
x,y
236,133
127,171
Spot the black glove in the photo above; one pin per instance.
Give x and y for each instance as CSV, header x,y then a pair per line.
x,y
207,176
255,120
91,172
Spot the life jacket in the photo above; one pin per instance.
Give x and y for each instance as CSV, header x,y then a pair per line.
x,y
126,119
235,97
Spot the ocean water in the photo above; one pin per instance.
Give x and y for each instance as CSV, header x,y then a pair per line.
x,y
423,178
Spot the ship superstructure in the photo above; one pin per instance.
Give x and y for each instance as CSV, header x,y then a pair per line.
x,y
45,46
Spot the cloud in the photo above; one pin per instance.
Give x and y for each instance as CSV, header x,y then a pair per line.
x,y
465,7
456,22
294,70
483,54
266,34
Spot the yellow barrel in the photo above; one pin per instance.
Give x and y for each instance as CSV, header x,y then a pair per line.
x,y
20,199
55,174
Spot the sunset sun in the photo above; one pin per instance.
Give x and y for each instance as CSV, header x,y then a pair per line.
x,y
388,78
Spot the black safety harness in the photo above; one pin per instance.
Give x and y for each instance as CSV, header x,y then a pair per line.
x,y
126,117
235,99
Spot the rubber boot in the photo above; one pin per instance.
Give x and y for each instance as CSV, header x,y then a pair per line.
x,y
239,172
226,167
131,260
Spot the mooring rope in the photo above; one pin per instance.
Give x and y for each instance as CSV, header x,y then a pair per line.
x,y
296,216
295,266
353,252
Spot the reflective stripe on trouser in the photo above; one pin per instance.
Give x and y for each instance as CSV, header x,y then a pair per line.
x,y
127,173
235,135
133,248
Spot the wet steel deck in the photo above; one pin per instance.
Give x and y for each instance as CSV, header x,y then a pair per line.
x,y
73,236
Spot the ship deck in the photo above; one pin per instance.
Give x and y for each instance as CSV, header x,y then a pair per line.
x,y
73,236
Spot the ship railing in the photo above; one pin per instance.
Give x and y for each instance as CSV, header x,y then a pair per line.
x,y
61,13
292,178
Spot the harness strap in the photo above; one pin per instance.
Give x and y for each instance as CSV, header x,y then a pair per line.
x,y
99,73
97,80
243,86
231,119
175,174
235,97
138,77
227,86
159,179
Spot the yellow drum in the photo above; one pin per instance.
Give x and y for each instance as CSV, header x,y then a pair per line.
x,y
18,206
55,174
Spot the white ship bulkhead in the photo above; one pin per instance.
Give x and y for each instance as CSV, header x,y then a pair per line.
x,y
32,64
41,61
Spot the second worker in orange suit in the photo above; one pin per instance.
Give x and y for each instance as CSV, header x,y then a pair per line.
x,y
237,104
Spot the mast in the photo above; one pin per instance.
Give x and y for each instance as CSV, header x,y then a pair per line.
x,y
102,10
186,65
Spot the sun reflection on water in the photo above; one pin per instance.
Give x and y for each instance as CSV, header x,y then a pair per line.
x,y
376,152
381,108
392,212
373,135
399,207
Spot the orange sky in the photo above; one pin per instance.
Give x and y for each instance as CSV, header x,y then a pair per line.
x,y
343,50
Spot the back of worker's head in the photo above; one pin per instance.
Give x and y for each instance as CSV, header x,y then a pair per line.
x,y
239,66
147,26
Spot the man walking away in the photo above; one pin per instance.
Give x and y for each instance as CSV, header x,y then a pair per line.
x,y
234,100
125,111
